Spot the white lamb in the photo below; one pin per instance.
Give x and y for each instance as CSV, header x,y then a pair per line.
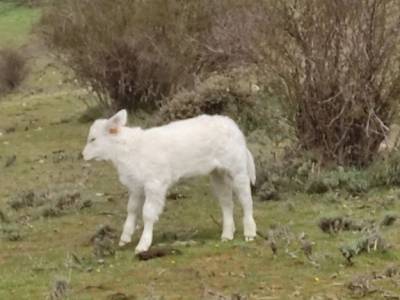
x,y
149,161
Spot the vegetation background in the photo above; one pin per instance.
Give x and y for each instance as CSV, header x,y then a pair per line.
x,y
313,84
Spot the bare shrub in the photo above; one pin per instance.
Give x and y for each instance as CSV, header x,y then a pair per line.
x,y
134,53
13,69
338,64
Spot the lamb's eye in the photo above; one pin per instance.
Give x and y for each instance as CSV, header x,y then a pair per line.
x,y
92,140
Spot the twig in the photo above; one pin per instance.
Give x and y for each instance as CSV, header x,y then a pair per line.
x,y
338,115
331,98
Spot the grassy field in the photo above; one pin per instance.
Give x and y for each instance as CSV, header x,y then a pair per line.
x,y
16,23
43,242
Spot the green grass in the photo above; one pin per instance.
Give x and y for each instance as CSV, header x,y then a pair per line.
x,y
48,122
16,24
43,118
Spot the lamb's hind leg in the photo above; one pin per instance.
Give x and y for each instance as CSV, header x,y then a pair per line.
x,y
241,186
135,204
222,187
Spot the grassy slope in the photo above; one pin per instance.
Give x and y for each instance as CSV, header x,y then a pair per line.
x,y
15,24
45,119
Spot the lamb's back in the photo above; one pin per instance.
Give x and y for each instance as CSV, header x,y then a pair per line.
x,y
197,139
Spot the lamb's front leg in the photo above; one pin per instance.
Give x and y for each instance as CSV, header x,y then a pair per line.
x,y
152,208
135,204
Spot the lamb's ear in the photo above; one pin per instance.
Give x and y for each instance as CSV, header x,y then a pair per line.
x,y
117,121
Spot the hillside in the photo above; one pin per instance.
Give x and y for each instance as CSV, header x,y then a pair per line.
x,y
52,203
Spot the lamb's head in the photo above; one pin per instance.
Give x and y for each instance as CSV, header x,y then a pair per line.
x,y
103,137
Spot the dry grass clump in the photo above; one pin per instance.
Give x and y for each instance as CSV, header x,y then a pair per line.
x,y
13,66
376,283
51,202
59,289
337,224
104,241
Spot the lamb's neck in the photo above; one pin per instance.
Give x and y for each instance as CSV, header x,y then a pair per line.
x,y
125,146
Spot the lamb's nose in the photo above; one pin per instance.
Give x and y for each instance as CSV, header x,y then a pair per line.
x,y
83,154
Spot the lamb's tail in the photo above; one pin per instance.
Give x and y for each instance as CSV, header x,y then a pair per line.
x,y
251,169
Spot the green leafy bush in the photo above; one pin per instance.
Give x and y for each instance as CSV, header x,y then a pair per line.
x,y
234,94
283,170
353,181
386,170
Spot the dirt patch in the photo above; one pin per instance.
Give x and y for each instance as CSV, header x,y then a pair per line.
x,y
211,294
120,296
157,252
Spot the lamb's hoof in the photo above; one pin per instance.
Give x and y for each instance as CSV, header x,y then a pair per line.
x,y
140,250
122,242
226,238
249,238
